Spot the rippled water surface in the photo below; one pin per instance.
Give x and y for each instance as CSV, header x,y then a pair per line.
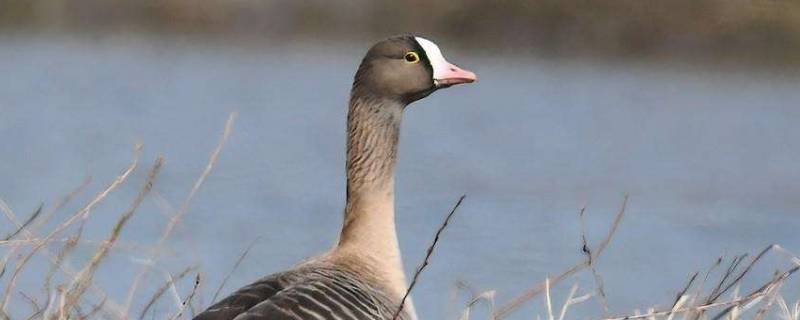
x,y
709,157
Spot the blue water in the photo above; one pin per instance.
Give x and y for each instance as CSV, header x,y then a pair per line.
x,y
709,156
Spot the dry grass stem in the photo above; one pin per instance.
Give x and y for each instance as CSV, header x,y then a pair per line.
x,y
733,308
548,303
60,204
684,309
235,266
84,212
699,289
120,245
212,160
587,250
567,302
428,254
24,225
514,303
682,294
787,314
188,298
722,287
475,297
66,250
770,296
84,277
31,229
763,290
794,258
169,285
10,215
487,296
34,305
75,294
95,309
678,304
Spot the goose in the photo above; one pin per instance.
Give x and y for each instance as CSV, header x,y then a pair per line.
x,y
362,276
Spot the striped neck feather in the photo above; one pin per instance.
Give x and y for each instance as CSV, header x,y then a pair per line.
x,y
368,236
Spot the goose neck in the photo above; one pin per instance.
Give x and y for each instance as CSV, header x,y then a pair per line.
x,y
368,232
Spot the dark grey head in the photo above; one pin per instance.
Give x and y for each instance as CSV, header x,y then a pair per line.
x,y
406,69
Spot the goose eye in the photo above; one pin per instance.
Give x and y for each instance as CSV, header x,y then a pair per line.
x,y
411,57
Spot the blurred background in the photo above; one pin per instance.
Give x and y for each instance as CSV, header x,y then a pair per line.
x,y
688,106
754,31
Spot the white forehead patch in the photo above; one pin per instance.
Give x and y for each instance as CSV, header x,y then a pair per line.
x,y
439,64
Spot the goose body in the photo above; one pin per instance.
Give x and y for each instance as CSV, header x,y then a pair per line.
x,y
362,277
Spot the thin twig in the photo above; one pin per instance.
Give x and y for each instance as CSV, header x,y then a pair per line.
x,y
532,292
587,250
428,254
235,266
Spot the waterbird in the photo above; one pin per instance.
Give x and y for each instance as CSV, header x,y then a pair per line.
x,y
362,276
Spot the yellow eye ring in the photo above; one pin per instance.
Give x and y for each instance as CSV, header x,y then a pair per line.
x,y
411,57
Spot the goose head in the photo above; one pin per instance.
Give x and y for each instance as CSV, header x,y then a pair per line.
x,y
407,68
